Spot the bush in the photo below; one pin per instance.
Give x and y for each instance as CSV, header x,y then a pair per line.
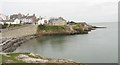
x,y
4,26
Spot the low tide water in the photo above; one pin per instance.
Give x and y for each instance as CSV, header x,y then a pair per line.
x,y
99,46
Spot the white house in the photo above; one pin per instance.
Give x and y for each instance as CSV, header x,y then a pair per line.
x,y
40,22
16,21
43,21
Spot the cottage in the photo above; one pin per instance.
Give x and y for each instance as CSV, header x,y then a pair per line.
x,y
43,21
57,21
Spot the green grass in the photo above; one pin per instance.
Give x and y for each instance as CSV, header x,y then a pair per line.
x,y
14,25
0,59
3,26
77,24
9,26
12,56
50,28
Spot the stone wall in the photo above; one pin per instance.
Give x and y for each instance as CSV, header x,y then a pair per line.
x,y
11,44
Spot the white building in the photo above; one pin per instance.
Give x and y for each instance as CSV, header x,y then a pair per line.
x,y
16,21
43,20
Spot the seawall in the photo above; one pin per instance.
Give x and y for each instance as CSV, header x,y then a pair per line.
x,y
11,44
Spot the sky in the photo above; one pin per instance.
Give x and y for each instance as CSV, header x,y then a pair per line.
x,y
72,10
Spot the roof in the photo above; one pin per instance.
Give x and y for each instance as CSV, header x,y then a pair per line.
x,y
14,16
28,17
23,17
56,19
11,20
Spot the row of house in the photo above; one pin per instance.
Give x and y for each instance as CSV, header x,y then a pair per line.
x,y
32,19
19,19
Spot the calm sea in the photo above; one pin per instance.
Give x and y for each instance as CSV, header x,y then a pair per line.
x,y
99,46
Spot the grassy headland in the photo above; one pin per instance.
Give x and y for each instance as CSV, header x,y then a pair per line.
x,y
50,28
76,28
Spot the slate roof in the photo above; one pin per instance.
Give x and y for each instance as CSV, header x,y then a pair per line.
x,y
57,19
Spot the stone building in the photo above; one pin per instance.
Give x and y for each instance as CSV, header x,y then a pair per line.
x,y
57,21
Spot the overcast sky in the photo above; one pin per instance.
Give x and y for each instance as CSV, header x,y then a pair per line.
x,y
76,10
